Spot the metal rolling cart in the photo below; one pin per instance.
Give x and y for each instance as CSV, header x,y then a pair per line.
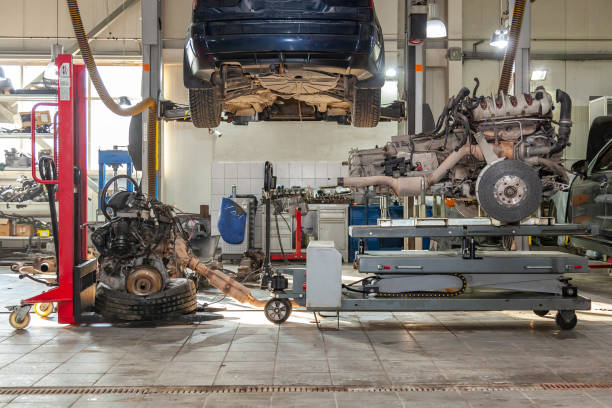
x,y
463,280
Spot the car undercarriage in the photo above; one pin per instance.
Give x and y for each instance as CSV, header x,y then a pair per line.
x,y
283,94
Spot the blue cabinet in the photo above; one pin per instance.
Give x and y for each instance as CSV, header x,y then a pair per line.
x,y
357,216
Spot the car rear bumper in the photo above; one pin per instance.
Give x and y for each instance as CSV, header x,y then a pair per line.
x,y
345,45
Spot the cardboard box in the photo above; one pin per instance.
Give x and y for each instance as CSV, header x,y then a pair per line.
x,y
24,230
5,227
42,118
204,211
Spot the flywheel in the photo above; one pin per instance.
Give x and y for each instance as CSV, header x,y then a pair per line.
x,y
509,190
144,281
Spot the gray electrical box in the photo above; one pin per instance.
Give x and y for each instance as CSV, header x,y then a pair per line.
x,y
323,275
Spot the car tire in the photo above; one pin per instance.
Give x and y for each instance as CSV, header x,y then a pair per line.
x,y
366,108
205,108
178,298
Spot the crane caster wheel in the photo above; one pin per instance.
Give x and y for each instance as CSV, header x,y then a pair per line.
x,y
16,323
278,310
43,309
566,319
541,313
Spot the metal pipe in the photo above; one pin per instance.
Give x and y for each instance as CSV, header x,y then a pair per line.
x,y
412,186
216,278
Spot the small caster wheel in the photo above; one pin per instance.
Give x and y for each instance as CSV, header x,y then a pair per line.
x,y
278,310
19,325
566,319
541,313
43,309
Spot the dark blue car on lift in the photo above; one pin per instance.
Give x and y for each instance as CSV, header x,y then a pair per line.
x,y
284,60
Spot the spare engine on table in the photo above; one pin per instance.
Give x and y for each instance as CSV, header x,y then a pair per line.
x,y
502,151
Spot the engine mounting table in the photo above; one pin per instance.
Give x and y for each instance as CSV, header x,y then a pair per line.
x,y
413,281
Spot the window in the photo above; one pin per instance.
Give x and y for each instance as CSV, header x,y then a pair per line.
x,y
31,73
12,73
604,161
105,128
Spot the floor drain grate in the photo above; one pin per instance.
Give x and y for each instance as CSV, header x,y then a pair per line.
x,y
220,389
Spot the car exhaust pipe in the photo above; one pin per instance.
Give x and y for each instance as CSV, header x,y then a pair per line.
x,y
411,186
216,278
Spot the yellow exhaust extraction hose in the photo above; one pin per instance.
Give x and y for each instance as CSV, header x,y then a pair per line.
x,y
513,40
147,103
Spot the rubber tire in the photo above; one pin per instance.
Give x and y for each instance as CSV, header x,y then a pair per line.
x,y
178,298
205,108
43,309
486,184
541,313
283,319
366,108
566,325
19,325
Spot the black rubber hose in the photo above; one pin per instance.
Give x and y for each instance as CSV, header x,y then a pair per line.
x,y
280,241
105,190
476,87
48,172
565,121
149,104
513,40
252,230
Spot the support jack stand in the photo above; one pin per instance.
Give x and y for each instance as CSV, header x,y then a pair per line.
x,y
337,316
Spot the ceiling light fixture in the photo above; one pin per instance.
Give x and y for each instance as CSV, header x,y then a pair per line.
x,y
500,39
435,27
50,75
539,74
391,73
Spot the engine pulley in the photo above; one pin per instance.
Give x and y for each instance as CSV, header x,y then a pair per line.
x,y
509,190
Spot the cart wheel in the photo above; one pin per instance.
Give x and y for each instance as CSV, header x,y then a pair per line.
x,y
19,325
278,310
566,319
43,309
541,313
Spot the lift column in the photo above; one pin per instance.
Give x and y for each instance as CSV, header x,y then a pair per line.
x,y
71,188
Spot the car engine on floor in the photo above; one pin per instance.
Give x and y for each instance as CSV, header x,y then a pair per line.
x,y
503,151
136,244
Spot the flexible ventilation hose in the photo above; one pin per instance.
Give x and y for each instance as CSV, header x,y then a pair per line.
x,y
513,40
147,103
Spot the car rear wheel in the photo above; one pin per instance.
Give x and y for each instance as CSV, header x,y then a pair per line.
x,y
366,108
205,108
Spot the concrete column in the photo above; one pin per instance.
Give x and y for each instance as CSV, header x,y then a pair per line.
x,y
522,71
151,81
455,35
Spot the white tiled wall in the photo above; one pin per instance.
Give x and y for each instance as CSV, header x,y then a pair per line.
x,y
248,178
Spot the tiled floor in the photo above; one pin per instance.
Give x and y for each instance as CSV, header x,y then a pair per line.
x,y
381,349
